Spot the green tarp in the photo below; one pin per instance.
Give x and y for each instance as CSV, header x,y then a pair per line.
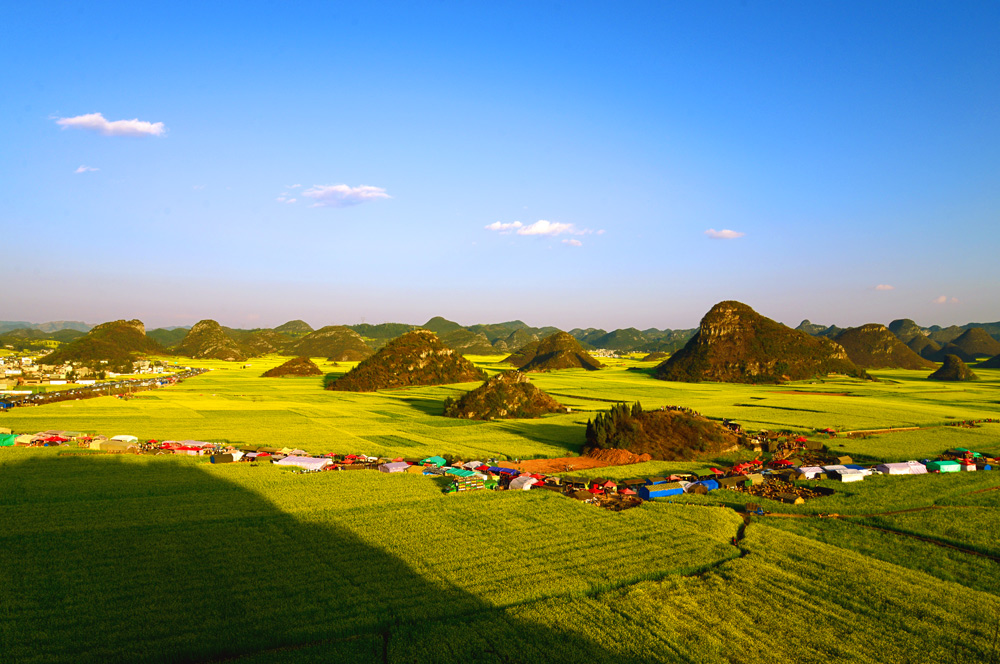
x,y
7,439
434,461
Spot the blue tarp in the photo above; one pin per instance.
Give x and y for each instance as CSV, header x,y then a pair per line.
x,y
652,491
496,470
710,485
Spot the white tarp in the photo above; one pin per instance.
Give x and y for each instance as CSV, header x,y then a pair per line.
x,y
810,472
893,468
850,475
522,483
917,468
394,467
472,465
125,439
309,463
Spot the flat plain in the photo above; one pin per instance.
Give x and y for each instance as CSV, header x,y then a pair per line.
x,y
166,559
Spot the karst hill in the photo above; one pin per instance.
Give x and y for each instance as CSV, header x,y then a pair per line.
x,y
873,346
208,340
953,369
297,366
113,345
507,395
977,342
668,434
557,351
336,342
735,344
415,358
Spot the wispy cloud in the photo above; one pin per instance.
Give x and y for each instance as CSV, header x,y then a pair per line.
x,y
724,234
96,122
198,187
291,200
573,243
341,195
285,199
293,186
86,169
885,287
944,299
540,227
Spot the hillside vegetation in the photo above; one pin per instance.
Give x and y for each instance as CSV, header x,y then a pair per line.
x,y
735,344
336,342
208,340
558,351
953,369
416,358
670,434
873,346
113,345
507,395
297,366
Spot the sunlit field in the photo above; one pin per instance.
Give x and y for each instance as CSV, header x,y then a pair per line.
x,y
166,558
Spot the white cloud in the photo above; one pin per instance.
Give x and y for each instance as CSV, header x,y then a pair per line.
x,y
291,200
341,195
540,227
96,122
293,186
944,299
281,199
724,234
573,243
86,169
885,287
543,227
504,228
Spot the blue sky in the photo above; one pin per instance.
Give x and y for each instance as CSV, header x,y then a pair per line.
x,y
569,164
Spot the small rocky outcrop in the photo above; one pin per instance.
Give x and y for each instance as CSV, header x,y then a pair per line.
x,y
507,395
298,366
557,351
953,369
415,358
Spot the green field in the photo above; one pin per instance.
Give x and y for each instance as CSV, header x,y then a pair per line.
x,y
168,559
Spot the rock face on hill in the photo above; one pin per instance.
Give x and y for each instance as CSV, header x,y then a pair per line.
x,y
558,351
953,369
977,342
416,358
298,366
113,345
208,340
507,395
337,342
735,344
873,346
671,434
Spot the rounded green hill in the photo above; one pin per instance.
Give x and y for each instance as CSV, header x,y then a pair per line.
x,y
507,395
415,358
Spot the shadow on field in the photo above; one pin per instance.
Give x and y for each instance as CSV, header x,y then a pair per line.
x,y
108,559
565,434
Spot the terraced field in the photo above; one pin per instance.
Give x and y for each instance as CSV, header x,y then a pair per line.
x,y
166,559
